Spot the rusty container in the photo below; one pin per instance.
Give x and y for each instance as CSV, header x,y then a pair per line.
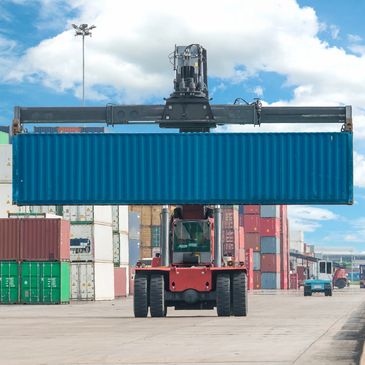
x,y
251,223
270,263
252,240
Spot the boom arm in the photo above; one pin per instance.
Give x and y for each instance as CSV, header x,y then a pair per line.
x,y
184,116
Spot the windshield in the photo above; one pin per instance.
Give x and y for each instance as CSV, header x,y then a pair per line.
x,y
193,236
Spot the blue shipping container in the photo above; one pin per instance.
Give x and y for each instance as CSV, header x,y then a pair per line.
x,y
270,245
199,168
270,280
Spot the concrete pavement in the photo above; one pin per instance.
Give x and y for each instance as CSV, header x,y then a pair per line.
x,y
282,328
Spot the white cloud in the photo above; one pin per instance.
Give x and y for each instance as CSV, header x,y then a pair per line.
x,y
334,30
259,91
354,38
307,218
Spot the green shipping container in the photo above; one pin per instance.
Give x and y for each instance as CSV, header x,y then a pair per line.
x,y
45,282
9,282
4,138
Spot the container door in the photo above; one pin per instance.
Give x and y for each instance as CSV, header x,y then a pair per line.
x,y
9,282
82,281
31,282
51,282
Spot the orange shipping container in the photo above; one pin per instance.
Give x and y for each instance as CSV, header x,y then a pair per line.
x,y
251,223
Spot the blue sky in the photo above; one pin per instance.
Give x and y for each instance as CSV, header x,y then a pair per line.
x,y
288,52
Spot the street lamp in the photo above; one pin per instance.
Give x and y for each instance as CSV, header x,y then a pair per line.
x,y
83,30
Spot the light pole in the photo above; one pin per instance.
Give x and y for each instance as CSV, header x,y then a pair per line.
x,y
83,30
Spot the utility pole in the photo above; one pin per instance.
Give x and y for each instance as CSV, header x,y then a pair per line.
x,y
83,30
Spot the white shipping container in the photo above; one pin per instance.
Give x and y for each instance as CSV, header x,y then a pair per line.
x,y
120,248
92,281
6,163
46,209
120,218
91,242
296,241
6,199
101,214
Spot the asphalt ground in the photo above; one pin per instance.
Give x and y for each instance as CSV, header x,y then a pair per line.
x,y
283,327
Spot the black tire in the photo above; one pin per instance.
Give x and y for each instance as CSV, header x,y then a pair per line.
x,y
223,295
140,303
157,296
307,291
239,294
340,283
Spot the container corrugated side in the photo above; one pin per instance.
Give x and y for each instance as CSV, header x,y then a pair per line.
x,y
294,168
44,239
9,239
9,282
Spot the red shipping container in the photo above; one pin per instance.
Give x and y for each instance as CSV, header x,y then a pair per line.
x,y
270,227
69,130
44,239
251,223
9,239
270,262
34,239
252,240
294,284
251,209
249,266
120,282
257,279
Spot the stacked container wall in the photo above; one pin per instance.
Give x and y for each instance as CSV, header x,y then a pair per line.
x,y
250,268
120,218
256,261
120,249
251,209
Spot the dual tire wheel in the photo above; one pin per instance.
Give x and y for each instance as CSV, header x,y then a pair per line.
x,y
232,295
149,293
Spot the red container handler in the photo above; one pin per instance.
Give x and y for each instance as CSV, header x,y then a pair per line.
x,y
9,239
270,263
270,227
257,279
230,242
120,282
251,223
44,239
249,265
230,217
252,240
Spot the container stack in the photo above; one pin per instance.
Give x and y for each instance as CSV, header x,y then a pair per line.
x,y
120,250
232,233
91,244
34,261
266,233
150,217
